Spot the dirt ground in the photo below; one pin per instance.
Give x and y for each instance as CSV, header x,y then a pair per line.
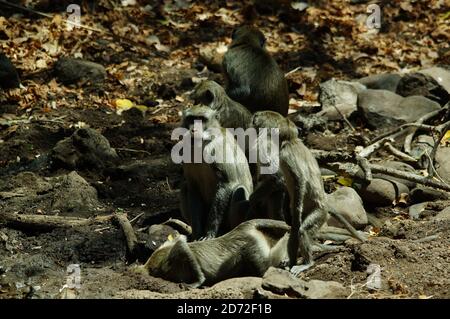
x,y
33,264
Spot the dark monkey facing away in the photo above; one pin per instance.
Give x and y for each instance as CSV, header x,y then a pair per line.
x,y
253,77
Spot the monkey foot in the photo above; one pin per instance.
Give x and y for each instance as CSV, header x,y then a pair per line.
x,y
296,270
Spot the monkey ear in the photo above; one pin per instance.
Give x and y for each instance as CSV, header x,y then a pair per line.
x,y
208,97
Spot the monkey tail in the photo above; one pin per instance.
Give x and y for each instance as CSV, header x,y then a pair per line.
x,y
347,225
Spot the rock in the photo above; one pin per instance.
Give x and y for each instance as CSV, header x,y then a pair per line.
x,y
443,215
423,85
440,75
158,235
73,194
309,122
78,71
388,81
9,78
422,145
398,166
342,94
379,108
85,148
443,163
415,210
383,109
417,106
381,192
347,202
282,282
425,194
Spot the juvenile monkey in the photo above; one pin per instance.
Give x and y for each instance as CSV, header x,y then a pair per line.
x,y
230,114
253,77
303,180
215,193
248,250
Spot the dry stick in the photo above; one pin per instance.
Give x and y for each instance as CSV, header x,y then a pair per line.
x,y
403,156
41,222
132,150
128,232
409,176
426,117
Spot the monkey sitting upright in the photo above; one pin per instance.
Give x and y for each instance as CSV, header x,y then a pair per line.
x,y
230,114
215,194
248,250
308,207
253,77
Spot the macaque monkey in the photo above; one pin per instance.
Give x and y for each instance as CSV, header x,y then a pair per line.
x,y
253,77
301,173
248,250
214,197
230,114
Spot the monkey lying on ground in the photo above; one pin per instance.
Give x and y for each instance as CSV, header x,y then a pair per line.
x,y
253,77
248,250
230,114
214,196
305,188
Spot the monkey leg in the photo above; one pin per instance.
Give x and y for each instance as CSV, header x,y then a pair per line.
x,y
347,225
306,234
239,207
220,206
192,209
268,196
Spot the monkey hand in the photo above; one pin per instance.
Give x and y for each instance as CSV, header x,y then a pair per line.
x,y
297,270
206,237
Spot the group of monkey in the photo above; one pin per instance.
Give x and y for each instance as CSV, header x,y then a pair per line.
x,y
240,229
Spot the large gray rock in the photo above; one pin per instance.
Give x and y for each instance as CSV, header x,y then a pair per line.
x,y
342,94
381,192
425,194
282,282
443,214
383,109
424,85
443,163
347,202
388,81
78,71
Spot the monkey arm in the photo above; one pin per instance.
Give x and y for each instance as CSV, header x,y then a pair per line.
x,y
182,254
219,207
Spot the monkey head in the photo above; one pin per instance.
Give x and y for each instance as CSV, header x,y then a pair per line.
x,y
207,93
246,34
206,115
270,119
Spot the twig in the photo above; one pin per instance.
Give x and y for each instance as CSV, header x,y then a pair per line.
x,y
136,218
424,118
370,149
426,239
42,223
403,156
129,234
409,176
292,71
132,150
